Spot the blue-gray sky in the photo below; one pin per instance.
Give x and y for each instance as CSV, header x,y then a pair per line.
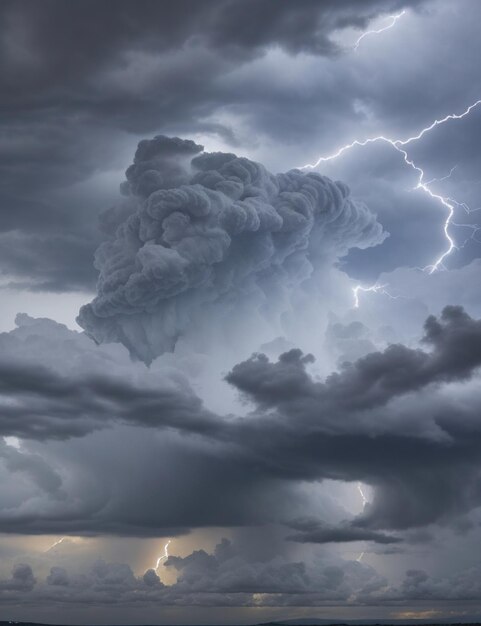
x,y
262,363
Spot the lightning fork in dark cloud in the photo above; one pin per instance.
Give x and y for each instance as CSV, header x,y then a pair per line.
x,y
392,21
400,146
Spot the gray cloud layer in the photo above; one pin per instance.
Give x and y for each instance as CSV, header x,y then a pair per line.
x,y
368,417
226,577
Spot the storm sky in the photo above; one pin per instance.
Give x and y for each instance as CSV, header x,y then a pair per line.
x,y
239,365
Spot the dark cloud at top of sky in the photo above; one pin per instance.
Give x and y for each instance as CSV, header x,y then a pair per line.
x,y
80,84
48,69
71,115
52,35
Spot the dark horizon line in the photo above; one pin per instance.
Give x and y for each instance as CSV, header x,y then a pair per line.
x,y
288,622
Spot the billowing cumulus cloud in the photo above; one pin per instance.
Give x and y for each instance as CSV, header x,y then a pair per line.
x,y
226,577
372,380
22,579
235,234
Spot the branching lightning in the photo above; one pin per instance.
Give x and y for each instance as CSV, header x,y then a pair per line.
x,y
376,288
395,143
393,18
423,185
438,180
439,262
475,229
164,556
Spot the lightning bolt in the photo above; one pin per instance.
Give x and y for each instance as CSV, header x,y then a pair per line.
x,y
164,556
376,288
474,231
393,18
439,262
395,143
423,185
56,543
364,502
475,228
362,494
438,180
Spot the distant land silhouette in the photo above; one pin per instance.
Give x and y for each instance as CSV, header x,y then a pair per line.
x,y
312,621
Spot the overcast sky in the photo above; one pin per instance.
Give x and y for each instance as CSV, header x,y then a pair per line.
x,y
240,244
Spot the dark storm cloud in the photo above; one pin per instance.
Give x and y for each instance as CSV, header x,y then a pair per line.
x,y
463,586
48,405
314,531
35,467
55,34
231,234
345,432
70,108
368,422
54,401
371,381
22,580
65,387
46,246
54,263
50,74
158,165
